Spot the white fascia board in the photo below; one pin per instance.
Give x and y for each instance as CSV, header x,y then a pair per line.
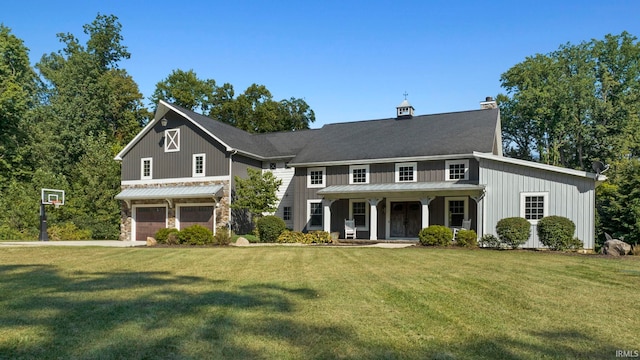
x,y
536,165
383,160
160,112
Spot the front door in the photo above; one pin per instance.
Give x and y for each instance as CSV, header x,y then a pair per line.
x,y
405,219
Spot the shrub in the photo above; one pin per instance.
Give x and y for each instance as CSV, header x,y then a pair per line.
x,y
317,237
162,236
67,231
435,235
291,237
222,236
195,235
7,233
270,227
490,241
513,231
467,238
556,232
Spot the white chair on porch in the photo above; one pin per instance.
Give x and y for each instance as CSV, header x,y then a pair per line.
x,y
349,228
466,225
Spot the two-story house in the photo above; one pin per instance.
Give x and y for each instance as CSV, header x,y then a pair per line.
x,y
392,176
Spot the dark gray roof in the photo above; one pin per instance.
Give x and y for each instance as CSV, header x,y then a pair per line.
x,y
425,135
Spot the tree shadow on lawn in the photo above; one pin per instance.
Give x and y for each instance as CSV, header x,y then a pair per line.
x,y
46,312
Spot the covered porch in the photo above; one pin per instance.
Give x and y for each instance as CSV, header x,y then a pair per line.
x,y
400,211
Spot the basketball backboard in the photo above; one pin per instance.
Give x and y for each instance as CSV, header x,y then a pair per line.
x,y
52,196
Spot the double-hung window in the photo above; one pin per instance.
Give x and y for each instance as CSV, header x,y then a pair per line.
x,y
359,174
314,215
534,206
146,168
198,165
359,212
456,170
316,177
406,172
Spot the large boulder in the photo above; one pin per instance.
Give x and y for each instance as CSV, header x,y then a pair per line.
x,y
242,242
151,241
615,247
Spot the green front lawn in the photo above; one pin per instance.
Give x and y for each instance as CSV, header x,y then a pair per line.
x,y
314,303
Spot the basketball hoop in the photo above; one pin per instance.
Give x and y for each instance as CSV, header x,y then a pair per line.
x,y
56,203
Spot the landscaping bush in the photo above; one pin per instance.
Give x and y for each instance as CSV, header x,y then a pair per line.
x,y
270,227
435,235
513,231
317,237
195,235
162,236
490,241
222,236
67,231
556,232
467,238
291,237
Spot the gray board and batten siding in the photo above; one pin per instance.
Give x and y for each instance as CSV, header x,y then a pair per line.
x,y
178,164
381,173
568,195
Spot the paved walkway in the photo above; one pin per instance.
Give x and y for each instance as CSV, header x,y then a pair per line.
x,y
105,243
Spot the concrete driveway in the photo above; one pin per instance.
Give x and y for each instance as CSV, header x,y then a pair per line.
x,y
105,243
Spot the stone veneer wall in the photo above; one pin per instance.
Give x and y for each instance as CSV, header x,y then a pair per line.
x,y
222,211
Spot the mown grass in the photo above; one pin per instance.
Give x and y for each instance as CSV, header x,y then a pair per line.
x,y
314,303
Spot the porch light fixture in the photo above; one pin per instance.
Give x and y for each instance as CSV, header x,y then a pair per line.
x,y
163,121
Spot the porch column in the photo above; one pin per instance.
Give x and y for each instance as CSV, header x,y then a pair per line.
x,y
480,213
326,214
373,222
425,210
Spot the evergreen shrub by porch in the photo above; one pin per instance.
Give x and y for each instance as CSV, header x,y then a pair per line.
x,y
222,236
291,237
195,235
162,236
436,235
556,232
490,241
317,237
270,227
467,238
513,231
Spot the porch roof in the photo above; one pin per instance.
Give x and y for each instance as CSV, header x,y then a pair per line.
x,y
169,192
381,189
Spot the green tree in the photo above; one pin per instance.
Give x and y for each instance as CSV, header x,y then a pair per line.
x,y
254,110
257,193
185,89
18,89
574,105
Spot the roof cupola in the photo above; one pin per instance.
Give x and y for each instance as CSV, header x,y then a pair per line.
x,y
404,110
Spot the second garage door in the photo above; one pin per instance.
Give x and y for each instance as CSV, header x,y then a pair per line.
x,y
200,215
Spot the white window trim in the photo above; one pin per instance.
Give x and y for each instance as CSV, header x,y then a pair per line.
x,y
355,167
324,177
309,202
176,137
545,208
204,165
366,213
446,207
406,164
142,176
447,163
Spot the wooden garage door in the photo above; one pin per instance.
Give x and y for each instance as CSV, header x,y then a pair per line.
x,y
201,215
149,220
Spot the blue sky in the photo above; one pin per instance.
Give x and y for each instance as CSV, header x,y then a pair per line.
x,y
350,60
